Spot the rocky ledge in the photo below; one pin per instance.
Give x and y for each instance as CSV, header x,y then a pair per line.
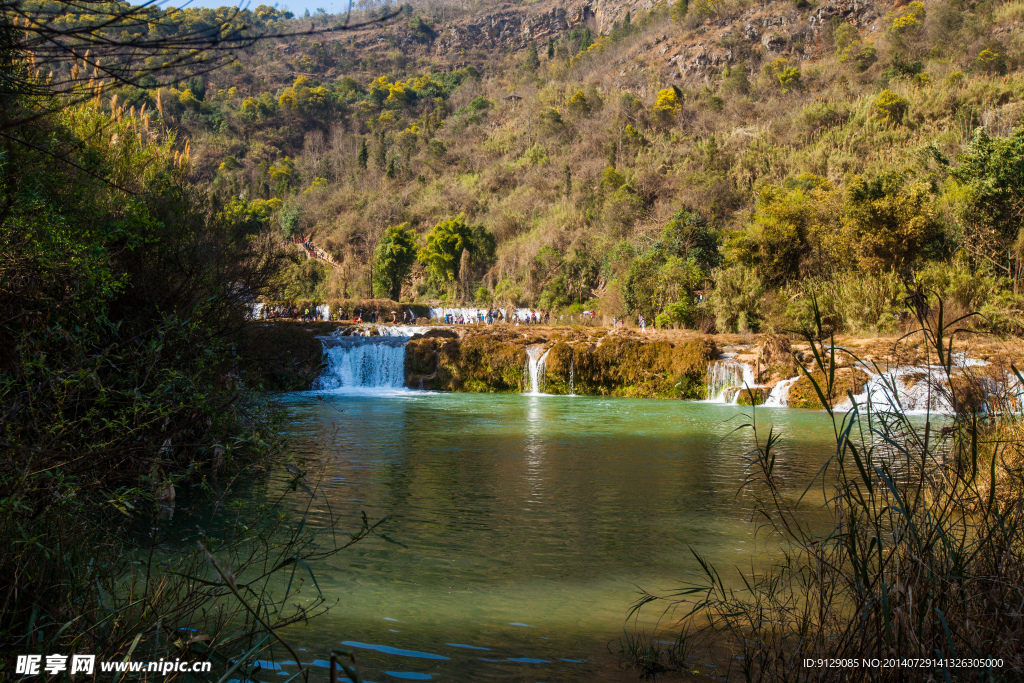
x,y
594,362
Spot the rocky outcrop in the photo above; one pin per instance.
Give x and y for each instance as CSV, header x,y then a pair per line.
x,y
760,33
847,380
599,364
510,28
607,12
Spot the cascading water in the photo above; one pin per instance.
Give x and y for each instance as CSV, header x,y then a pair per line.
x,y
572,376
779,396
726,378
363,364
536,358
907,389
400,330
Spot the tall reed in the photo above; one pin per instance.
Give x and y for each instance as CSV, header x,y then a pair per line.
x,y
921,575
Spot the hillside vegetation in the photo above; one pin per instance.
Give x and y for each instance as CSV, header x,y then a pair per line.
x,y
711,164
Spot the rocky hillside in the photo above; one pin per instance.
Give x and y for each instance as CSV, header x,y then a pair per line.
x,y
711,164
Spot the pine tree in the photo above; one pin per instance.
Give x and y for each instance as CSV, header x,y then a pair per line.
x,y
587,41
391,168
364,154
568,180
532,60
551,48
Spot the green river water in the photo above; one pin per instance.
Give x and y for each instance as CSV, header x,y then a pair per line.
x,y
522,525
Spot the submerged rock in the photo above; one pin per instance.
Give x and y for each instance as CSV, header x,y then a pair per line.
x,y
753,396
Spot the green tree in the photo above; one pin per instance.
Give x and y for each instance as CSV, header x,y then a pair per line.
x,y
890,224
381,153
793,233
587,40
446,242
674,268
640,287
988,197
532,60
688,234
395,254
735,301
551,48
364,154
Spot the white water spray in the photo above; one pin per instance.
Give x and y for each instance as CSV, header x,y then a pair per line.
x,y
536,360
906,389
779,396
572,375
363,364
726,379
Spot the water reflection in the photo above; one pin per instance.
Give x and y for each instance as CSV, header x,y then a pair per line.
x,y
521,525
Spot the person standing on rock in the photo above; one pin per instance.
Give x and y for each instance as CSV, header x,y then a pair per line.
x,y
643,325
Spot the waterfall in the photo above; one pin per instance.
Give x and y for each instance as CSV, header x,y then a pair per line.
x,y
915,390
907,389
779,396
400,330
363,364
323,311
726,378
536,358
572,375
369,330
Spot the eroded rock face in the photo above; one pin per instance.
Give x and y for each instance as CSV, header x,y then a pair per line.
x,y
607,12
775,359
511,28
605,365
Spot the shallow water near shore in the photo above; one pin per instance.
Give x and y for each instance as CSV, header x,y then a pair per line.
x,y
521,526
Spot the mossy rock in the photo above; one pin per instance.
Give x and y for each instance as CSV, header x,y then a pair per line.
x,y
479,363
437,333
803,395
626,366
495,361
754,396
